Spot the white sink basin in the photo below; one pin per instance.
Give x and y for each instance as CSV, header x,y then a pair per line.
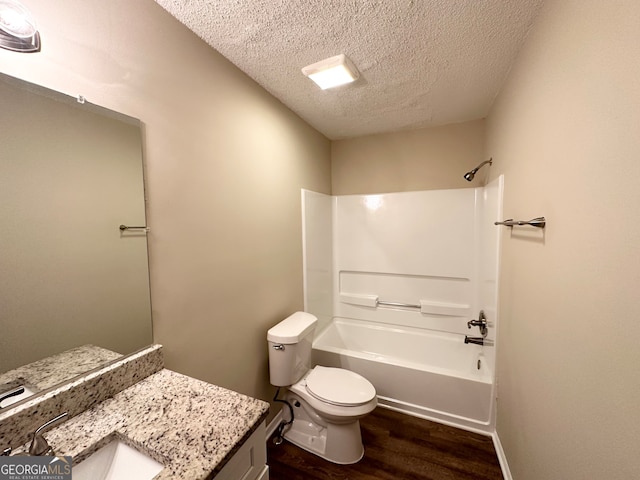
x,y
117,461
16,398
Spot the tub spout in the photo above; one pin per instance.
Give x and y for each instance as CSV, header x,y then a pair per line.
x,y
479,341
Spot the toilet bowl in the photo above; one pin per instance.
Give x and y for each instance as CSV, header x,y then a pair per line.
x,y
327,403
330,427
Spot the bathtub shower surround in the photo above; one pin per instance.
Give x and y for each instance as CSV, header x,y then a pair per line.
x,y
411,248
418,371
317,245
408,271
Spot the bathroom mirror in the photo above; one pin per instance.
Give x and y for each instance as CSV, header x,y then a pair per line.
x,y
70,174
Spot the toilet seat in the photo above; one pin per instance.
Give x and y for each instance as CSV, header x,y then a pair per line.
x,y
338,386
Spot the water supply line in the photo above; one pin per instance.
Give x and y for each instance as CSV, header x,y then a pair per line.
x,y
277,439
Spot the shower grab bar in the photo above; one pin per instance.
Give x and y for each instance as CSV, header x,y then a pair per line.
x,y
425,306
129,227
396,304
539,222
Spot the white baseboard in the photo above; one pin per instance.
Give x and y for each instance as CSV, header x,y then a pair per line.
x,y
264,474
504,466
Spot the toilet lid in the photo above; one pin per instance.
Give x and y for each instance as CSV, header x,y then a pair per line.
x,y
339,387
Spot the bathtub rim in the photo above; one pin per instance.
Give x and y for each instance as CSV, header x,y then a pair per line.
x,y
487,378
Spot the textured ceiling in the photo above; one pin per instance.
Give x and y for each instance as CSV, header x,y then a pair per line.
x,y
422,62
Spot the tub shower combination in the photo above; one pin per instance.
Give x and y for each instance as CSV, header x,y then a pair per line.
x,y
428,348
427,373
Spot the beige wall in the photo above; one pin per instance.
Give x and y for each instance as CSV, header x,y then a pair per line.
x,y
225,162
565,133
425,159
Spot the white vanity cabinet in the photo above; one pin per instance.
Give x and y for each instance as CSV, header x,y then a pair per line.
x,y
250,461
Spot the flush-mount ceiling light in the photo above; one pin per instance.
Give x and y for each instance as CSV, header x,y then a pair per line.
x,y
18,31
331,72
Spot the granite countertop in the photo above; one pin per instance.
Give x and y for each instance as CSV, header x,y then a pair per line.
x,y
191,427
56,369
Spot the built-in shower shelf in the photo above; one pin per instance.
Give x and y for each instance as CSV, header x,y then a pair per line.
x,y
425,306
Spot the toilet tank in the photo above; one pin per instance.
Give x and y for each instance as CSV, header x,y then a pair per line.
x,y
290,348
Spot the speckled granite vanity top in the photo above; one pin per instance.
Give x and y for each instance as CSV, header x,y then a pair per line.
x,y
53,370
189,426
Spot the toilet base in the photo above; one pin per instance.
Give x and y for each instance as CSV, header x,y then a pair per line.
x,y
337,443
343,453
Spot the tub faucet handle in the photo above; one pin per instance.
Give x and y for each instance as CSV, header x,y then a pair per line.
x,y
481,323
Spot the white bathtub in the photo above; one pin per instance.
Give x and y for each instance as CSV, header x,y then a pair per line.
x,y
426,373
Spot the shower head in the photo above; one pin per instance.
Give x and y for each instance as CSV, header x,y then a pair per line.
x,y
469,175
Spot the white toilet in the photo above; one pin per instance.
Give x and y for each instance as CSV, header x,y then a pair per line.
x,y
327,403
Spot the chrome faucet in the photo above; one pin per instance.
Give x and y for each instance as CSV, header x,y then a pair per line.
x,y
39,445
481,323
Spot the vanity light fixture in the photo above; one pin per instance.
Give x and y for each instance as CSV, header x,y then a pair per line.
x,y
18,31
332,72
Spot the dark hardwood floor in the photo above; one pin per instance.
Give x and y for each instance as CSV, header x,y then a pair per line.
x,y
397,447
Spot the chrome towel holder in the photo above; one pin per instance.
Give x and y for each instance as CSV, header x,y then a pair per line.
x,y
539,222
130,227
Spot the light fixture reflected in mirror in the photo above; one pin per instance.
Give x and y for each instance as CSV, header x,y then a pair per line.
x,y
18,31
